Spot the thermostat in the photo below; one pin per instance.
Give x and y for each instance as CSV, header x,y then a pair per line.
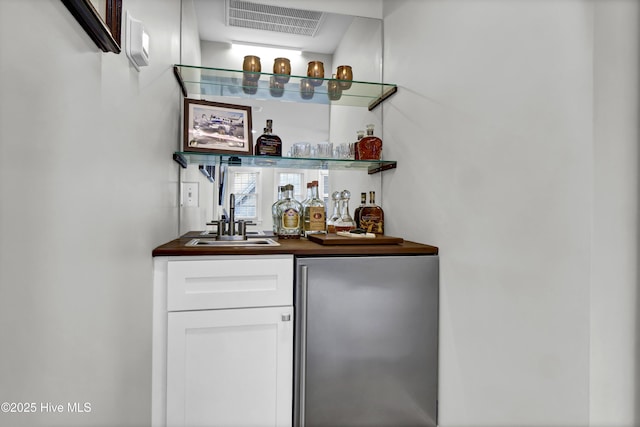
x,y
137,43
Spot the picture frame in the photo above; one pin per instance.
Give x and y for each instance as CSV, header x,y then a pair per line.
x,y
214,127
104,27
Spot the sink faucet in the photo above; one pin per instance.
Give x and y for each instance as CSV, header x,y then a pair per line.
x,y
229,232
232,214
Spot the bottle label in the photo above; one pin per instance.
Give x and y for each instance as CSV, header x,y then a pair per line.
x,y
290,219
372,223
268,146
317,219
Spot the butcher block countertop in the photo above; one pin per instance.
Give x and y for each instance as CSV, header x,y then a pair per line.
x,y
301,247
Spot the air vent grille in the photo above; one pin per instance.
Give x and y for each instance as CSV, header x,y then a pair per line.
x,y
273,18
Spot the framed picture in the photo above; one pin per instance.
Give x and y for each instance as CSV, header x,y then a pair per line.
x,y
103,26
213,127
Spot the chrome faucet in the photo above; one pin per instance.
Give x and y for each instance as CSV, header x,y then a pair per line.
x,y
232,215
225,232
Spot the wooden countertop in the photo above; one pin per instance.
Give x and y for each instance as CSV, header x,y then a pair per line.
x,y
301,247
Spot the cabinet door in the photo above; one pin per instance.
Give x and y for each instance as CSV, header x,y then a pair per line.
x,y
230,367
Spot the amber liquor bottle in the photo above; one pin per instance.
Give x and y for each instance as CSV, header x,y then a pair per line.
x,y
370,146
372,216
356,213
268,144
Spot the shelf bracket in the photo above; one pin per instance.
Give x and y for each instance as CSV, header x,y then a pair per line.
x,y
176,72
382,98
382,167
179,158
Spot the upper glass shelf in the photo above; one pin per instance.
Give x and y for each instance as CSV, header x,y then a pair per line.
x,y
230,83
371,166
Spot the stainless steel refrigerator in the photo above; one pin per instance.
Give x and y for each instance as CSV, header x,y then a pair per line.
x,y
366,341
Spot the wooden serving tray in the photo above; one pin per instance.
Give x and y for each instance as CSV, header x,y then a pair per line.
x,y
333,239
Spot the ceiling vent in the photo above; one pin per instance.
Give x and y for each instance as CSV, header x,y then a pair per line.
x,y
273,18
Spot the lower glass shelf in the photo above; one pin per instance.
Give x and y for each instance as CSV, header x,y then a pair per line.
x,y
371,166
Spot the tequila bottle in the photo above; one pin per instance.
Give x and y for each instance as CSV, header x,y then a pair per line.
x,y
289,215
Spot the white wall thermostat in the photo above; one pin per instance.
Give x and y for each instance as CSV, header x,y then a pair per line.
x,y
137,43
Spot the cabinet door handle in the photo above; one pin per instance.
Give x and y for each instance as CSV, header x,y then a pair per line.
x,y
304,290
286,317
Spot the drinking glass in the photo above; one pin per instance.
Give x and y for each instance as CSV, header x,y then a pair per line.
x,y
333,89
250,87
301,149
275,87
282,69
306,89
251,66
315,69
324,150
345,73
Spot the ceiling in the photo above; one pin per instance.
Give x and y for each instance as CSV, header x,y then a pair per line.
x,y
212,27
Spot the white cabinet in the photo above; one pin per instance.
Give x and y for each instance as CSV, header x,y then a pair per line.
x,y
223,341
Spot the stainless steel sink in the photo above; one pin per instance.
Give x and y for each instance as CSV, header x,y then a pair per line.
x,y
250,234
236,243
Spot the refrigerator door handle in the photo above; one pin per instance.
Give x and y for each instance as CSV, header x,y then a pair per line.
x,y
302,312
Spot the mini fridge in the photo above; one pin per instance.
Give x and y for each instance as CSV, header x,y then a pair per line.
x,y
366,341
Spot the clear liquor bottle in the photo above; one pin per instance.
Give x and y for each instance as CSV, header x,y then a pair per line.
x,y
335,215
289,216
308,197
372,216
315,218
369,147
346,222
274,209
356,213
268,144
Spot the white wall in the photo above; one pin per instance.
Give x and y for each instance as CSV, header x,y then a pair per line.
x,y
615,318
510,158
87,190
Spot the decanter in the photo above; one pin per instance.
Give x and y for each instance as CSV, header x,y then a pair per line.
x,y
346,222
370,146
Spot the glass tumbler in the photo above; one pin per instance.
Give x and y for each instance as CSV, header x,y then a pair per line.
x,y
315,69
333,89
345,74
282,70
251,67
306,89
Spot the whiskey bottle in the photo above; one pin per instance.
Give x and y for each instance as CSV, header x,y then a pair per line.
x,y
370,146
268,144
315,219
372,216
360,135
289,216
335,215
356,213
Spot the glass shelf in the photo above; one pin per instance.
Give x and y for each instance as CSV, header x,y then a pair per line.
x,y
371,166
229,83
